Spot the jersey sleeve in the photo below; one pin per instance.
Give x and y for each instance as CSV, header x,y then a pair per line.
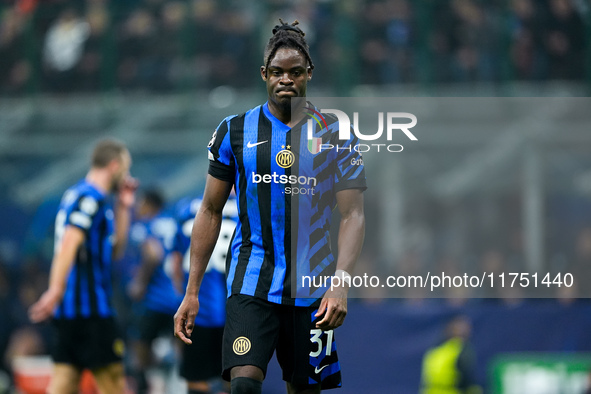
x,y
83,212
350,171
221,159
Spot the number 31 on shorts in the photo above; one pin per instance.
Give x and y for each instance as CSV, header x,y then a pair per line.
x,y
316,337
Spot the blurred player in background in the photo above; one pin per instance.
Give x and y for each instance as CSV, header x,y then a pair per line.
x,y
156,298
89,232
201,361
449,367
255,153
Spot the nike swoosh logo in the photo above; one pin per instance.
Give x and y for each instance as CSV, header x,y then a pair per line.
x,y
317,371
250,144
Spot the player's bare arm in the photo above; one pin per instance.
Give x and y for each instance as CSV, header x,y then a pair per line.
x,y
60,268
351,236
204,236
178,275
125,200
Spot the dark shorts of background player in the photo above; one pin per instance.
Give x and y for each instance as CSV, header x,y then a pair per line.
x,y
255,328
87,343
202,360
153,324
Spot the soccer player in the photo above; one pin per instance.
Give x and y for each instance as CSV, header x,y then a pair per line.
x,y
88,233
156,298
286,191
201,361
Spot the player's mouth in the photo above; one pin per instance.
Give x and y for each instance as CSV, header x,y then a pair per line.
x,y
287,92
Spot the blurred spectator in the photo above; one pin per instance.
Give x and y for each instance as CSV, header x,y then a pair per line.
x,y
63,50
374,48
472,33
235,49
171,40
14,69
525,35
136,43
564,40
201,47
90,64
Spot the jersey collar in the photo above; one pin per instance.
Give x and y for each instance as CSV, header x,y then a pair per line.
x,y
276,122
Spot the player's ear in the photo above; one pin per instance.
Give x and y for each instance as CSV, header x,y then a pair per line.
x,y
264,73
309,69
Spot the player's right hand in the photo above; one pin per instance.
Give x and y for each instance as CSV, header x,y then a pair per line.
x,y
184,318
43,309
127,189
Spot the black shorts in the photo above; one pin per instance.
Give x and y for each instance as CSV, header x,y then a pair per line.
x,y
202,360
153,324
87,343
256,328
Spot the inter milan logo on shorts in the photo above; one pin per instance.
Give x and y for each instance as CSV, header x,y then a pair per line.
x,y
241,345
285,157
119,347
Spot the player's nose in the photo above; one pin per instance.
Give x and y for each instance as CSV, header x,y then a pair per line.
x,y
286,79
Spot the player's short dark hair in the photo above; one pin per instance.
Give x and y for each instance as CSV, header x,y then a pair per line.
x,y
154,198
105,151
287,36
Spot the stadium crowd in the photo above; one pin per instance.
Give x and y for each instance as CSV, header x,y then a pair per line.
x,y
162,46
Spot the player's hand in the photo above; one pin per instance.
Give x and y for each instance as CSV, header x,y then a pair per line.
x,y
184,318
127,190
136,291
334,308
43,309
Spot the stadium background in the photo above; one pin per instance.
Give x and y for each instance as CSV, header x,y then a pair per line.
x,y
161,74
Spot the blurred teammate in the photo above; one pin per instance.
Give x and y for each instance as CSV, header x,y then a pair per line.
x,y
88,233
201,361
156,299
260,152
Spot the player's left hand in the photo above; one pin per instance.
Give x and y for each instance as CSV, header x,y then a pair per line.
x,y
136,291
334,308
127,191
184,318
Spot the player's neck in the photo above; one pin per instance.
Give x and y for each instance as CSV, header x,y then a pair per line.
x,y
100,178
281,113
284,115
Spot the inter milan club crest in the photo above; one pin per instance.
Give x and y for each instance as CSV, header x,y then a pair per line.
x,y
285,157
241,345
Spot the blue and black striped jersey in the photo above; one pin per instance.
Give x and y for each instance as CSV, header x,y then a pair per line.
x,y
88,288
286,190
212,294
161,296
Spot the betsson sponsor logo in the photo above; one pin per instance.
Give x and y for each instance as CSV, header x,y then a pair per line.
x,y
305,185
